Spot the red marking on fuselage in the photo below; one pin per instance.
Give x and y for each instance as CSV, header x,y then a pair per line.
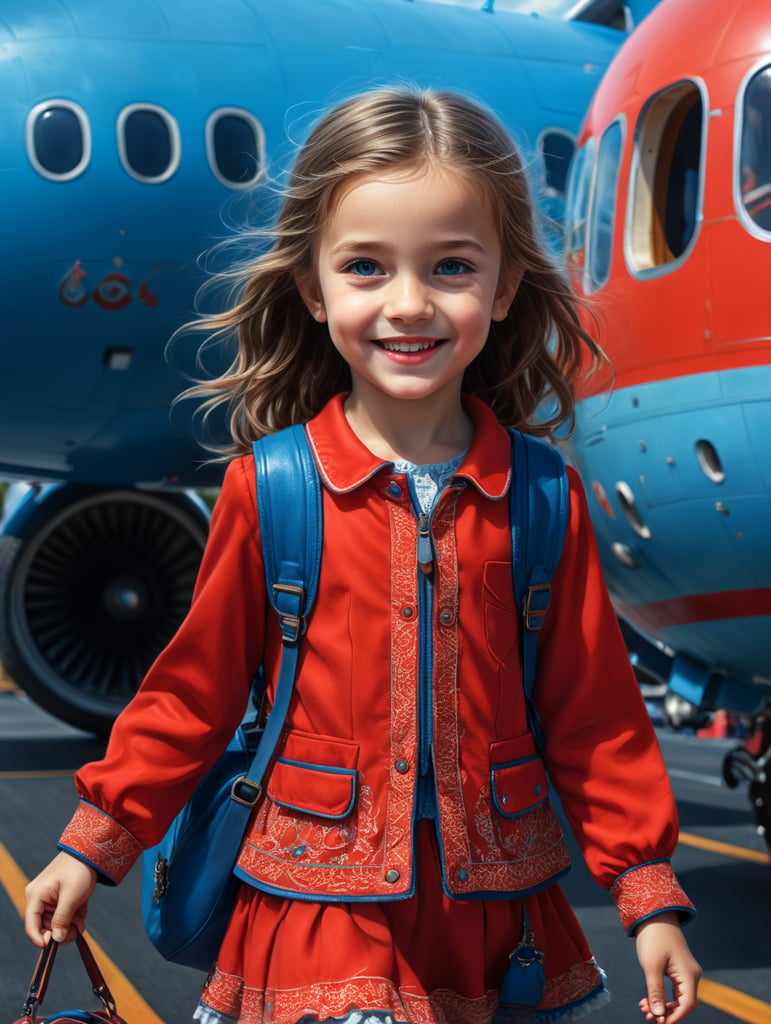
x,y
684,611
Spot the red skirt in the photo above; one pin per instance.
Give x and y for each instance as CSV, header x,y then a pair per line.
x,y
424,960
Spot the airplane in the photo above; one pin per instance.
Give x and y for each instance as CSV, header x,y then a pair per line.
x,y
133,138
668,237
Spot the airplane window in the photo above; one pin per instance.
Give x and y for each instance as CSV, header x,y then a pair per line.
x,y
557,149
58,140
666,177
578,201
755,150
148,142
235,144
603,205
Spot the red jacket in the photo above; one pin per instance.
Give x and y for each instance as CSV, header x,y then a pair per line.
x,y
339,816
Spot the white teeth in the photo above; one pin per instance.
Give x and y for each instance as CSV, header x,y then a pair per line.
x,y
406,346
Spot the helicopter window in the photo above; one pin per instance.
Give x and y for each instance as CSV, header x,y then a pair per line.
x,y
755,149
603,205
58,140
235,144
666,173
578,199
148,142
557,149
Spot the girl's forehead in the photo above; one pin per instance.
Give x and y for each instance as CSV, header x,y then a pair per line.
x,y
424,175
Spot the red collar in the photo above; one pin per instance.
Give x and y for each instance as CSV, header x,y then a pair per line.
x,y
345,463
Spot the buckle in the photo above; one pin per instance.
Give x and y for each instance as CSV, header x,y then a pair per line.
x,y
292,626
253,789
534,616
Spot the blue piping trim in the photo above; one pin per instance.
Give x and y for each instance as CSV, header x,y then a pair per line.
x,y
244,876
351,772
513,815
644,864
513,764
324,898
312,766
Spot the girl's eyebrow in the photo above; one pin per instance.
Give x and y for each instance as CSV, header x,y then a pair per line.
x,y
358,246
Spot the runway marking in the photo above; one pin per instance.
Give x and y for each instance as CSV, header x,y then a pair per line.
x,y
130,1003
727,849
736,1004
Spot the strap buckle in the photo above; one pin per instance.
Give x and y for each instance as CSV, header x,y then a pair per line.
x,y
536,605
245,792
292,624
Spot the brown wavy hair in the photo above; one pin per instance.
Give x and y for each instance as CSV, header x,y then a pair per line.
x,y
286,368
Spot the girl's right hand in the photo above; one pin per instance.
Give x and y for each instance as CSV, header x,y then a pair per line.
x,y
57,900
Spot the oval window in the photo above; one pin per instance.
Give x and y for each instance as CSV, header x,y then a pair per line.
x,y
58,140
578,201
148,142
667,171
755,150
557,149
603,205
235,146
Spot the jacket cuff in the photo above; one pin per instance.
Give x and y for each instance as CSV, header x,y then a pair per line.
x,y
97,839
647,890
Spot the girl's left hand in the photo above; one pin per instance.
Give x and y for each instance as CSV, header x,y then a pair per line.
x,y
663,952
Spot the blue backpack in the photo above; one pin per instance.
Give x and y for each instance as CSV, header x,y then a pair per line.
x,y
188,885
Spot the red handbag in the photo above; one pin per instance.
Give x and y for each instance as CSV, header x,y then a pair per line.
x,y
39,983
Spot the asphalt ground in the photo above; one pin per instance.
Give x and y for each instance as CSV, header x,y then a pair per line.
x,y
721,862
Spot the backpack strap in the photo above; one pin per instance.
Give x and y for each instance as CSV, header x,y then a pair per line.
x,y
289,509
538,510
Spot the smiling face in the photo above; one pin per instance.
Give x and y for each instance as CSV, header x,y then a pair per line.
x,y
408,277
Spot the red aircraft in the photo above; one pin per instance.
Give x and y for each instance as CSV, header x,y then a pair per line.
x,y
669,240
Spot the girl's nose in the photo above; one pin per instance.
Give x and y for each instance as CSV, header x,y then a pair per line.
x,y
408,299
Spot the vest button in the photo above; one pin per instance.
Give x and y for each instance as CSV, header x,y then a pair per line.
x,y
392,876
408,611
463,875
447,616
395,490
402,766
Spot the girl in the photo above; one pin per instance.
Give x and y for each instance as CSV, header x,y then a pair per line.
x,y
404,312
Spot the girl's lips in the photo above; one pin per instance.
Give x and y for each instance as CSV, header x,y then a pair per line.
x,y
409,351
407,344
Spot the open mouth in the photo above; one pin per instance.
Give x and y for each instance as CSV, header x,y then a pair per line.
x,y
408,345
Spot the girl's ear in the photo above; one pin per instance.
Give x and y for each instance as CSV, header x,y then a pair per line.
x,y
310,293
508,284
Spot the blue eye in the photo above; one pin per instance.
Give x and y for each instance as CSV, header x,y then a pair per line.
x,y
363,268
452,268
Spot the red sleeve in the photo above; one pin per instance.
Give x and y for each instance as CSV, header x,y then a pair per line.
x,y
191,701
601,749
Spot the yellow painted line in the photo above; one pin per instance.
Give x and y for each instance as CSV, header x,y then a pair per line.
x,y
130,1003
726,849
735,1004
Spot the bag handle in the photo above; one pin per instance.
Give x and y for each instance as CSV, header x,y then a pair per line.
x,y
42,975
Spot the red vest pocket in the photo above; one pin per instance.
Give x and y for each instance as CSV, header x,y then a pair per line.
x,y
518,784
313,788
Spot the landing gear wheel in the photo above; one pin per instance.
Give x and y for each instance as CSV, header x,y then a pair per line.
x,y
92,597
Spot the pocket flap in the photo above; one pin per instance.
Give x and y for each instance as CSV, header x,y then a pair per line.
x,y
315,775
519,785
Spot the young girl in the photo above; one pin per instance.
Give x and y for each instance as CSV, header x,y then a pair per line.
x,y
405,311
